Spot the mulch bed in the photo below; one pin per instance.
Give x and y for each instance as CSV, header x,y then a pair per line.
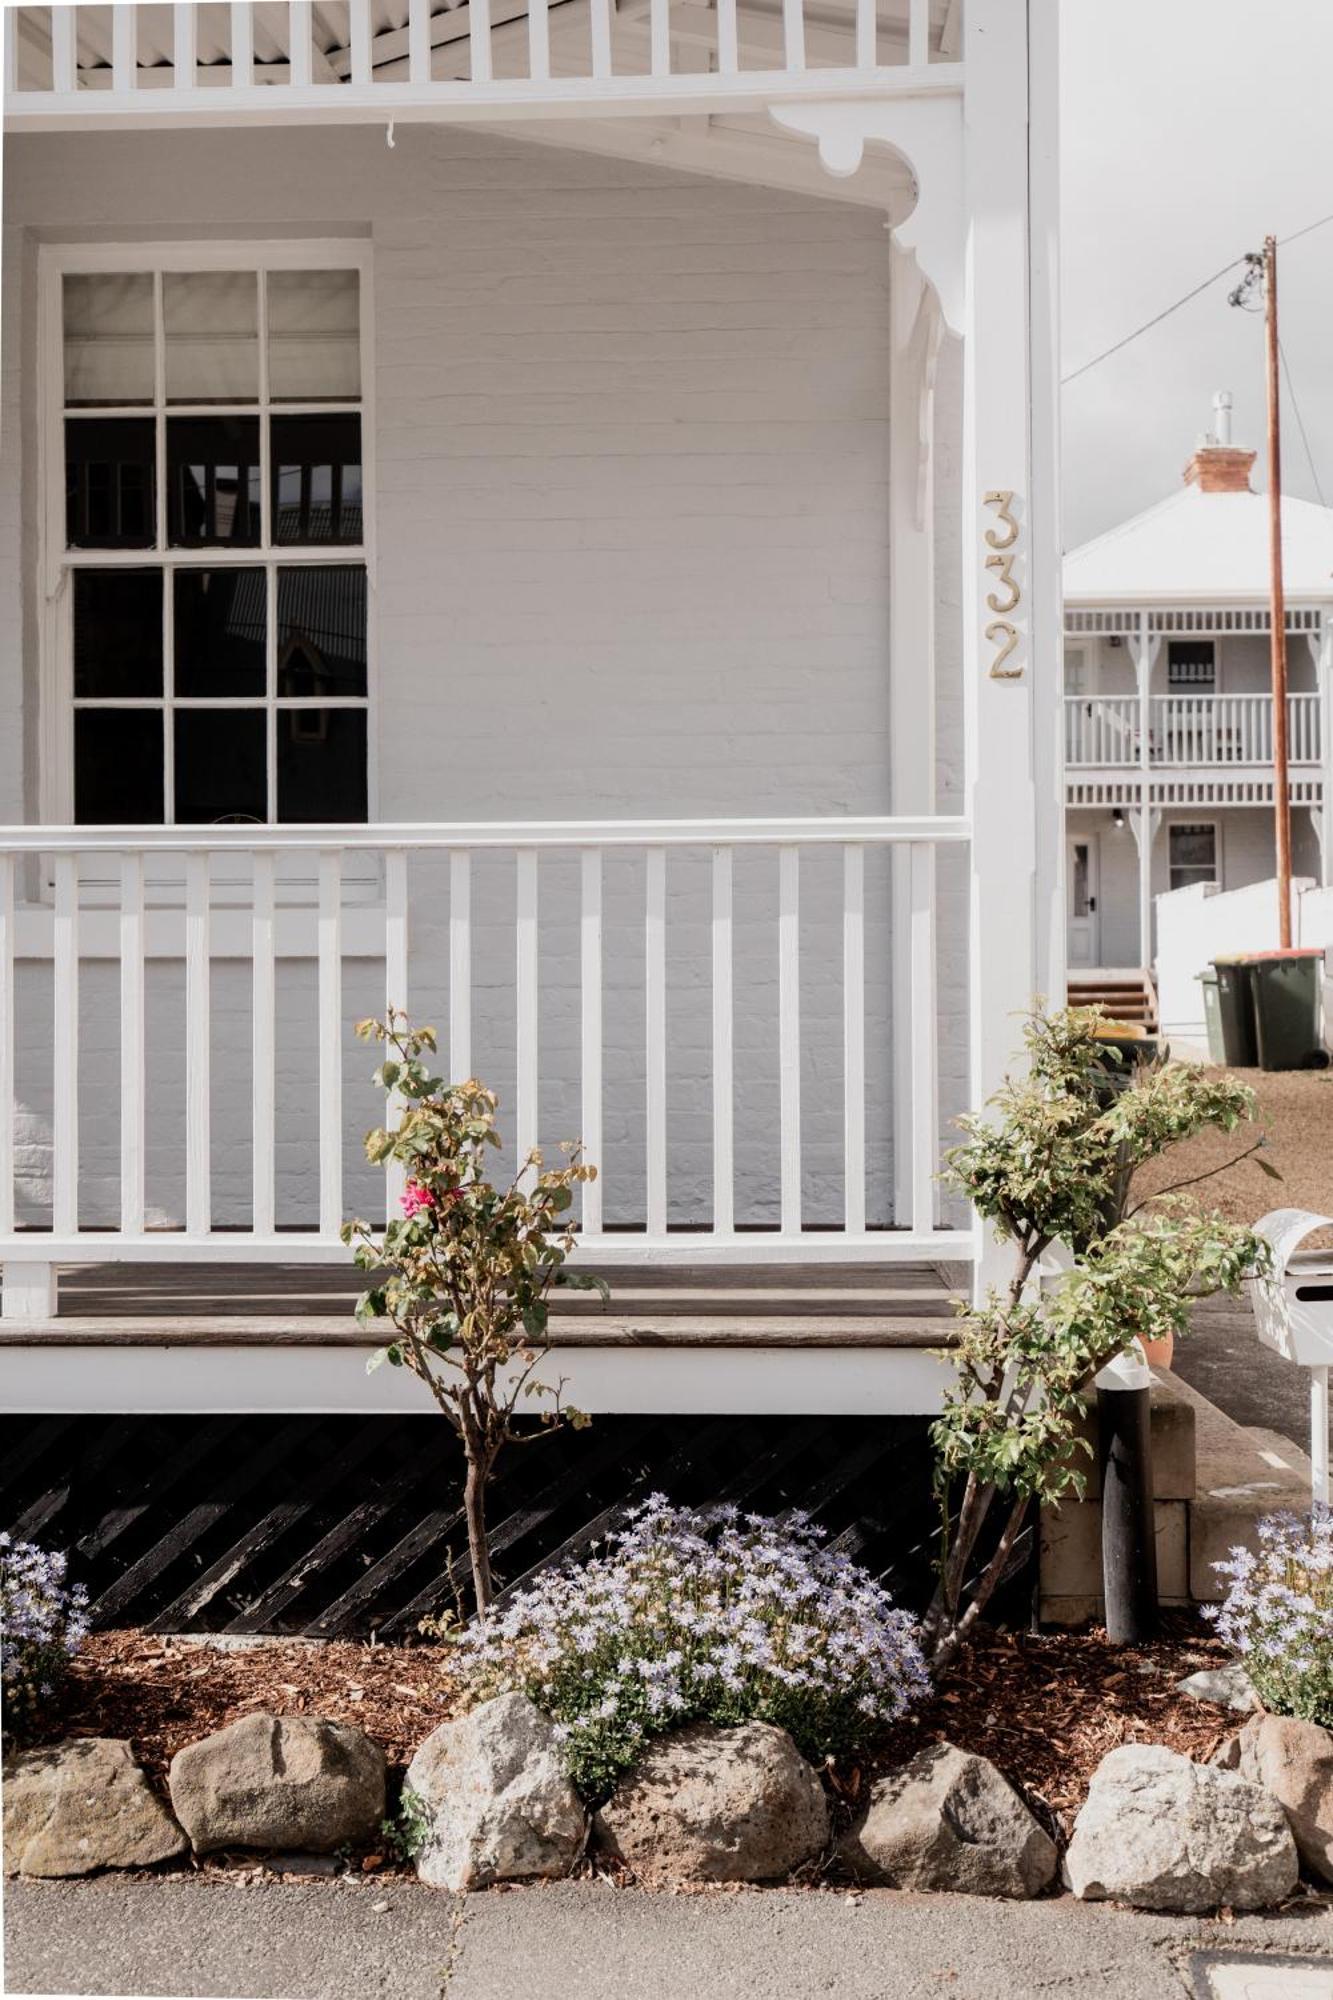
x,y
1044,1709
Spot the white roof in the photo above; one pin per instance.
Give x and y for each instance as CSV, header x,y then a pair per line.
x,y
1204,548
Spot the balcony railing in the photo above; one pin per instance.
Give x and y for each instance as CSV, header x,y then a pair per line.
x,y
707,1005
1187,732
99,63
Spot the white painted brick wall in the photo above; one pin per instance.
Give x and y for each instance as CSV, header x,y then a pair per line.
x,y
631,514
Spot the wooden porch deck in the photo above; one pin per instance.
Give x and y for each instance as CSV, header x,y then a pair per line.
x,y
286,1305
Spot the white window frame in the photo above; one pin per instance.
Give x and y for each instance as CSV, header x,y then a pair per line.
x,y
1216,826
1213,686
56,562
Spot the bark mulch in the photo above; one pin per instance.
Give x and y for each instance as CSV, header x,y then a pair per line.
x,y
1294,1108
1044,1709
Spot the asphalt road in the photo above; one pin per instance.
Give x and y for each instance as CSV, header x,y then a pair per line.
x,y
577,1941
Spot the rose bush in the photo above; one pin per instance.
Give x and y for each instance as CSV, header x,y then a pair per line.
x,y
43,1621
1278,1614
701,1616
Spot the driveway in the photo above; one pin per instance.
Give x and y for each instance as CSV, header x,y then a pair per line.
x,y
579,1941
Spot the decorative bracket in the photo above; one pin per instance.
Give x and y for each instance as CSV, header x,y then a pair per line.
x,y
926,133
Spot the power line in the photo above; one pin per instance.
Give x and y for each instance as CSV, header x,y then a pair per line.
x,y
1166,313
1300,424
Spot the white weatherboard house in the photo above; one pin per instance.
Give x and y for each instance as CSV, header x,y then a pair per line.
x,y
1169,710
543,513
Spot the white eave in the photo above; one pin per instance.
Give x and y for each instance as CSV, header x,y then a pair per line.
x,y
1204,549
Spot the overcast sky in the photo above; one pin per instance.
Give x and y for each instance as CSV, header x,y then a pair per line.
x,y
1191,129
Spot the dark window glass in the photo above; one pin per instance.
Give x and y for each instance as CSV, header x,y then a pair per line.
x,y
213,481
218,618
322,631
220,769
109,483
118,766
316,478
117,632
322,764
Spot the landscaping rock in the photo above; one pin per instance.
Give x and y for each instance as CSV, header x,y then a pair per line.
x,y
717,1805
1229,1686
294,1782
1165,1834
949,1820
1294,1761
497,1799
75,1807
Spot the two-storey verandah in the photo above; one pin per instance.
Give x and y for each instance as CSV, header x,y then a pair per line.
x,y
666,600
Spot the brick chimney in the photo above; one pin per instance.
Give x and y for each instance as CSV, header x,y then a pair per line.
x,y
1218,466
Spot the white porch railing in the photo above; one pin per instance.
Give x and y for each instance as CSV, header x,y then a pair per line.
x,y
1187,731
656,981
247,61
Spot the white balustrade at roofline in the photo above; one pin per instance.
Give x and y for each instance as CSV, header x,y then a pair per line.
x,y
122,910
1187,731
727,58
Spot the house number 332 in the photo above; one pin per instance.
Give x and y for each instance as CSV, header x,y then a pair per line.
x,y
1006,593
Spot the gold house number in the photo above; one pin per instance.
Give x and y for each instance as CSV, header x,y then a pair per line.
x,y
1001,539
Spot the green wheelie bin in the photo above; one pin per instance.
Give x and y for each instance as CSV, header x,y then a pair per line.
x,y
1235,1006
1287,1012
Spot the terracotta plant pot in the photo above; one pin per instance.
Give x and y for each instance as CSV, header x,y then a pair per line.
x,y
1158,1353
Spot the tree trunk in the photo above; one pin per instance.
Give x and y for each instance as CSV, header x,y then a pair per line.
x,y
479,1554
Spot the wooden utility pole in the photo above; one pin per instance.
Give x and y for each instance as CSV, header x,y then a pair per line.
x,y
1277,604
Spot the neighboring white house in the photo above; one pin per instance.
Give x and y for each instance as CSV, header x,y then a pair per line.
x,y
543,514
1168,713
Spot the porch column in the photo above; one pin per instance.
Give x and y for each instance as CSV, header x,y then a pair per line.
x,y
1011,539
916,330
1144,648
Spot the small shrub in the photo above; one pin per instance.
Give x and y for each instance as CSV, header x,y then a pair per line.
x,y
407,1831
42,1623
1278,1614
701,1616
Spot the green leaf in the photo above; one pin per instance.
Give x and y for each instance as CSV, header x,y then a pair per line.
x,y
1267,1167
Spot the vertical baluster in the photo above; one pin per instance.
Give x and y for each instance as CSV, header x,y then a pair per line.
x,y
198,1147
132,1080
418,40
124,55
918,33
242,45
526,1111
9,29
659,37
728,46
654,1020
65,1016
867,39
854,1040
724,1218
183,47
793,33
300,31
789,1037
330,1043
601,37
6,1044
64,50
925,1106
590,996
539,41
479,40
460,966
360,31
395,999
263,1018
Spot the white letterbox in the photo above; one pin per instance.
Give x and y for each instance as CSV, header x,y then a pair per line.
x,y
1293,1306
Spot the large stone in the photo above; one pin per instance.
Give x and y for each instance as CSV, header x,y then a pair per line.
x,y
496,1797
1294,1761
1165,1834
279,1781
83,1805
949,1820
717,1805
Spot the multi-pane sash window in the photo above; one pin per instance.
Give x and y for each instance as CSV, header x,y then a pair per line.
x,y
213,534
1192,855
